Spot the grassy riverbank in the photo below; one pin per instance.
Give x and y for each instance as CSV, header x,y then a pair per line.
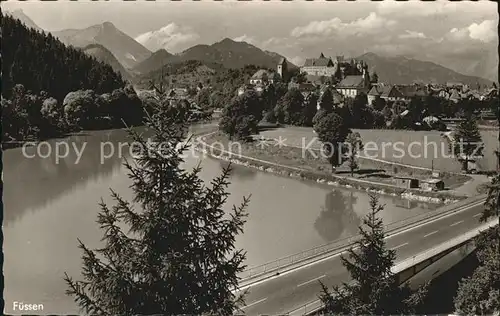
x,y
291,161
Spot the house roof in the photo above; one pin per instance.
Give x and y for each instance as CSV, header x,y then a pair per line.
x,y
412,91
455,95
260,74
313,78
273,75
352,82
375,90
265,74
391,92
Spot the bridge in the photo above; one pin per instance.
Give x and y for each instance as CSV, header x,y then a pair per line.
x,y
425,246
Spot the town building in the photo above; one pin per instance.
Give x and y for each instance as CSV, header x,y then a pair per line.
x,y
320,66
396,92
306,88
264,77
351,86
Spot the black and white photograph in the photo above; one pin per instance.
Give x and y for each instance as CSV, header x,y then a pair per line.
x,y
250,157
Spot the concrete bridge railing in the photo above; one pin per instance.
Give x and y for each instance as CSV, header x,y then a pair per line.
x,y
403,268
275,266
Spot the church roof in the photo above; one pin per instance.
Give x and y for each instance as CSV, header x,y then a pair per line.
x,y
282,61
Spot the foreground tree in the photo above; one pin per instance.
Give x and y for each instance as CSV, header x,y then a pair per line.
x,y
178,255
354,144
479,294
332,132
375,290
467,142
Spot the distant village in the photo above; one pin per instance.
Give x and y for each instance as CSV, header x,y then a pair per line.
x,y
350,77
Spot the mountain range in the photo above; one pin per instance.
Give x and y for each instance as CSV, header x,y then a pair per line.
x,y
134,58
153,62
403,70
128,52
229,53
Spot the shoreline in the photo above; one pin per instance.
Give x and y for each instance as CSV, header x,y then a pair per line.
x,y
323,178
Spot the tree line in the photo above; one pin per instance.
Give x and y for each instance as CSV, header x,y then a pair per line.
x,y
49,89
41,62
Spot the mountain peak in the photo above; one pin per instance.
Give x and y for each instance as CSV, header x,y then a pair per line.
x,y
369,55
108,25
227,40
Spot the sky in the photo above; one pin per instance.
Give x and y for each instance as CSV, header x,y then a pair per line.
x,y
435,31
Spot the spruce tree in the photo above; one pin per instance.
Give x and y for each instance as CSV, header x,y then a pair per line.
x,y
374,289
467,142
178,253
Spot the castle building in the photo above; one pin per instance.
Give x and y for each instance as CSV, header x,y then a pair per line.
x,y
321,66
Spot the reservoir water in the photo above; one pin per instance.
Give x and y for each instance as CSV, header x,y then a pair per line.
x,y
48,205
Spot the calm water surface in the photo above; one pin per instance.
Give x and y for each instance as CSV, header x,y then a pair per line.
x,y
48,205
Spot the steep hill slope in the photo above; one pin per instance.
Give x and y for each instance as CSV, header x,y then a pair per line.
x,y
232,54
42,63
128,52
404,70
154,62
228,53
26,20
102,54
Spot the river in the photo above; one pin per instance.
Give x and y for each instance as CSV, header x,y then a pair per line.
x,y
49,204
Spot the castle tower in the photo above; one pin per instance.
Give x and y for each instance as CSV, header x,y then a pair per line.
x,y
283,69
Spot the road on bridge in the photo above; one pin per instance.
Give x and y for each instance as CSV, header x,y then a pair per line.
x,y
293,289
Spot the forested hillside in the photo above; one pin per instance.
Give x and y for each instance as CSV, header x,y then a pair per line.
x,y
40,62
49,89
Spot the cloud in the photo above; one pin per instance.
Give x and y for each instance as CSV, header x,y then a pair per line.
x,y
403,9
412,34
246,38
171,37
371,24
415,8
485,32
297,60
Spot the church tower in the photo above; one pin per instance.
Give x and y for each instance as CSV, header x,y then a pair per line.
x,y
283,69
